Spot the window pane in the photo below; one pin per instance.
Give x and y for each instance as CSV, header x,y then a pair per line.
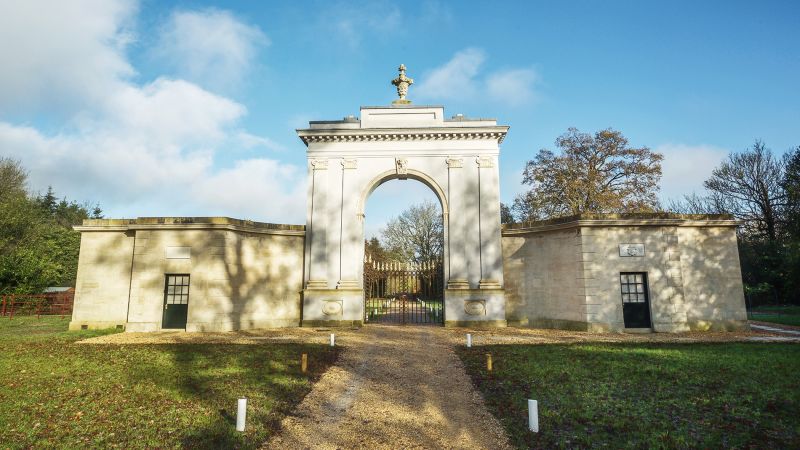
x,y
625,297
625,288
639,279
640,288
177,291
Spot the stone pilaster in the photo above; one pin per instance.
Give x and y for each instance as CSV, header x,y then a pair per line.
x,y
350,240
317,239
457,257
490,248
675,311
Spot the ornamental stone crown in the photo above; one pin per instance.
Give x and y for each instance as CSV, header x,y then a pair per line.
x,y
402,122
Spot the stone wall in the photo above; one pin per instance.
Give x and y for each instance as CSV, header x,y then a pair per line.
x,y
243,275
103,280
542,280
558,274
565,273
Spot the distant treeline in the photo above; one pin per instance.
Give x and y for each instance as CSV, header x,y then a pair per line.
x,y
38,247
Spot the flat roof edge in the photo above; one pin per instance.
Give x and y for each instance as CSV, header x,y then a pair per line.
x,y
156,223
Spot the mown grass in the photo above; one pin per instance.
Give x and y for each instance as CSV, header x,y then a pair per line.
x,y
58,394
644,396
786,315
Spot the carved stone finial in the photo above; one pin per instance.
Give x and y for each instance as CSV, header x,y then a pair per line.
x,y
402,82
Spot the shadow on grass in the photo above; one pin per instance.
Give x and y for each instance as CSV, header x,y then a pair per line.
x,y
644,395
209,379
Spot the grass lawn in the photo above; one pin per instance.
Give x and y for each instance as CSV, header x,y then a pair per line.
x,y
644,396
786,315
55,393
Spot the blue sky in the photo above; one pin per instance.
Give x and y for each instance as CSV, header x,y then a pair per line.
x,y
189,108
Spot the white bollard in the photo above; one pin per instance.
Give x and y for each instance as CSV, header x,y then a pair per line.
x,y
469,340
241,414
533,415
333,340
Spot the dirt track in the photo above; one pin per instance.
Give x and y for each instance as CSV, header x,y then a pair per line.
x,y
394,387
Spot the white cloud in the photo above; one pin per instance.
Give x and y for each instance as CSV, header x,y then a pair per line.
x,y
62,55
460,79
454,79
350,22
685,167
137,149
168,111
255,186
211,47
251,141
513,87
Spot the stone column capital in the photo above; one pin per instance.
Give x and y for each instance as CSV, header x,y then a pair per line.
x,y
319,164
455,163
484,162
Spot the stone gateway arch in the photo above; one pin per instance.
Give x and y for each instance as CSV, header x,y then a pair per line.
x,y
592,272
457,158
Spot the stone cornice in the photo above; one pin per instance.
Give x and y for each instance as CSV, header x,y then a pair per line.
x,y
190,223
402,134
699,221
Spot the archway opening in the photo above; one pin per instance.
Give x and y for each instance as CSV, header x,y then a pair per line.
x,y
404,244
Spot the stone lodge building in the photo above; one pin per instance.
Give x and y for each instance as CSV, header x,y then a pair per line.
x,y
659,272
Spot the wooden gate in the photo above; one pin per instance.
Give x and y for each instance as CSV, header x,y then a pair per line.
x,y
396,292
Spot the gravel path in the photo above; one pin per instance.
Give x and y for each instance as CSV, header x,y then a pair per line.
x,y
787,334
393,387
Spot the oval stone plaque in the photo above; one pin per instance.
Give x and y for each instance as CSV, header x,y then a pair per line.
x,y
475,307
332,308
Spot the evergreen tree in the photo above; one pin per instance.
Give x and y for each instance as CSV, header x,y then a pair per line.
x,y
38,247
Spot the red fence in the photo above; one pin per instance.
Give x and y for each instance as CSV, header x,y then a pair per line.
x,y
52,304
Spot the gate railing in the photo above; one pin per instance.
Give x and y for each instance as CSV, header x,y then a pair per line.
x,y
50,304
398,292
383,279
403,309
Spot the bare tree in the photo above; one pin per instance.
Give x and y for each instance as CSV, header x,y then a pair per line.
x,y
791,186
591,173
13,178
697,204
416,235
506,216
749,186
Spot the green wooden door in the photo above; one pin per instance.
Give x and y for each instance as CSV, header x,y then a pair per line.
x,y
176,301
